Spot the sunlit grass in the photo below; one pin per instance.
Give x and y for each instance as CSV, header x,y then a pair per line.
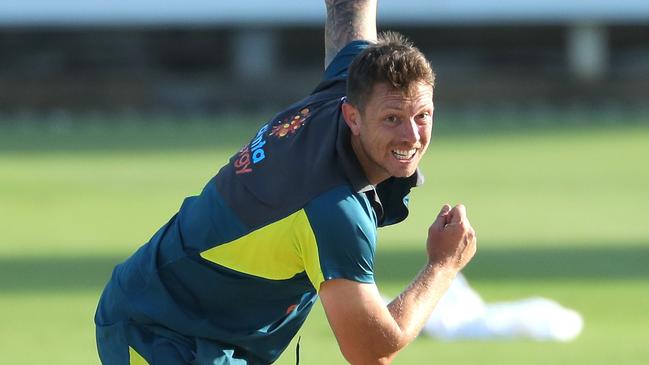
x,y
560,212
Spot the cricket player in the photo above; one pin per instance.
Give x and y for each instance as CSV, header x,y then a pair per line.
x,y
292,217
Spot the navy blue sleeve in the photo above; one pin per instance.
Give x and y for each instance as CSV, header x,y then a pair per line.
x,y
344,227
338,67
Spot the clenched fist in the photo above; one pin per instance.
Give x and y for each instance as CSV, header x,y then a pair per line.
x,y
451,239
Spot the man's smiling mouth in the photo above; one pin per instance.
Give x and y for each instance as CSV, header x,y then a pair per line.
x,y
404,155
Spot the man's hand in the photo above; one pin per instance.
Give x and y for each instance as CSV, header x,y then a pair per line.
x,y
451,239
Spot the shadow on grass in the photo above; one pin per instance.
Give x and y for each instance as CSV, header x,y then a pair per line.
x,y
90,273
604,262
43,274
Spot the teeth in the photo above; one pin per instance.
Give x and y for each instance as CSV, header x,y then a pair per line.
x,y
404,154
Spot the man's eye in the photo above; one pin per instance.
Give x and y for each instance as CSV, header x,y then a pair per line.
x,y
423,117
392,119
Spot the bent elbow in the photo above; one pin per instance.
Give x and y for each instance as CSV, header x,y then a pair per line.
x,y
386,360
371,360
365,355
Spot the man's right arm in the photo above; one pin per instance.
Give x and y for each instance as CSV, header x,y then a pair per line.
x,y
367,331
348,20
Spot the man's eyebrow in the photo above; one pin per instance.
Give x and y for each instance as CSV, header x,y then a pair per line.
x,y
391,108
398,106
392,105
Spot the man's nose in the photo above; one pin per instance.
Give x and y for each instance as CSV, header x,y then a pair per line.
x,y
410,131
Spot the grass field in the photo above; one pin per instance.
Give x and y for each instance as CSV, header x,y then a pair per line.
x,y
560,212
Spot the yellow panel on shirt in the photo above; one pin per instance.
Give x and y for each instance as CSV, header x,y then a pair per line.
x,y
278,251
135,358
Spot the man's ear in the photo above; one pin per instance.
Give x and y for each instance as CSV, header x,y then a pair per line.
x,y
352,117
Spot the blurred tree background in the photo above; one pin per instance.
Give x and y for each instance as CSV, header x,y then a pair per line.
x,y
207,57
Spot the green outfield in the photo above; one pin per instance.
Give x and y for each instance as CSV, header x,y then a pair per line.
x,y
560,212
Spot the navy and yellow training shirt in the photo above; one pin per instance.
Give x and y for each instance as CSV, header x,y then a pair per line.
x,y
240,265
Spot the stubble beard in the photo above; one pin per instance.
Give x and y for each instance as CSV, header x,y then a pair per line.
x,y
381,170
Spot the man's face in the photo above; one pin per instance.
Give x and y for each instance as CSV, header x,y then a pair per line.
x,y
391,135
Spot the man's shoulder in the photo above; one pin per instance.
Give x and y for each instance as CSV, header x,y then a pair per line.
x,y
341,208
339,66
335,75
344,227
